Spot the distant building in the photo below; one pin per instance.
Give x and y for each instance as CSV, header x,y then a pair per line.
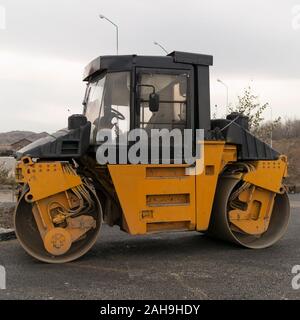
x,y
9,149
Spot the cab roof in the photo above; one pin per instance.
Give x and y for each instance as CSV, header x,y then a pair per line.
x,y
174,60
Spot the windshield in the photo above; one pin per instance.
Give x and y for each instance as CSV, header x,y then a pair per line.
x,y
93,100
107,103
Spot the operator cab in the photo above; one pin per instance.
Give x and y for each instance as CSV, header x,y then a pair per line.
x,y
149,92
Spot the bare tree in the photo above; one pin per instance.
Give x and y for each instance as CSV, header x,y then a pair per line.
x,y
249,105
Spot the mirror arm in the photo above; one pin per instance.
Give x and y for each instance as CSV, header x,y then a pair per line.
x,y
147,86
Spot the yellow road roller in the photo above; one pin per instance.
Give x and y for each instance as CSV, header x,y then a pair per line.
x,y
78,178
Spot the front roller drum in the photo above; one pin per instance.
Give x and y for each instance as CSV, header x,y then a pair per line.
x,y
57,247
221,227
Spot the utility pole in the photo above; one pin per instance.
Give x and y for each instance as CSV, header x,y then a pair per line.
x,y
159,45
101,16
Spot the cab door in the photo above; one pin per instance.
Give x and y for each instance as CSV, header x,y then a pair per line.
x,y
159,196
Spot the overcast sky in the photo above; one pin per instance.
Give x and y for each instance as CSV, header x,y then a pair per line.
x,y
46,44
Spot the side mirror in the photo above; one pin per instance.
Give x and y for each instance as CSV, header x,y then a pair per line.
x,y
154,102
153,97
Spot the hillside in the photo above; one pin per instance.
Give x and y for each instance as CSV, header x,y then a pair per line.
x,y
13,136
291,148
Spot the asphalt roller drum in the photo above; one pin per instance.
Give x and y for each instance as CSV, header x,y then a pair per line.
x,y
220,225
57,241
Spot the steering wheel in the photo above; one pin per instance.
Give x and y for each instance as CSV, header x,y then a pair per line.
x,y
117,114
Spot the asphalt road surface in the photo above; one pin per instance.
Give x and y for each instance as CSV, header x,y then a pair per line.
x,y
165,266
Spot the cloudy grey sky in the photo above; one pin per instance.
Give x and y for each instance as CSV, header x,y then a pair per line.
x,y
46,44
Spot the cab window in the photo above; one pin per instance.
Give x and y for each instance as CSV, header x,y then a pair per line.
x,y
108,104
172,90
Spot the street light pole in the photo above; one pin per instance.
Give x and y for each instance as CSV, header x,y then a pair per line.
x,y
158,44
101,16
226,86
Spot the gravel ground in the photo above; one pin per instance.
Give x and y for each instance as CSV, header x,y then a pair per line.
x,y
162,266
183,265
6,214
7,206
7,195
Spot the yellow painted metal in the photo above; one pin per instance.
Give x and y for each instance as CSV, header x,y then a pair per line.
x,y
49,192
216,156
79,226
41,213
157,198
75,227
167,172
58,241
268,174
45,178
164,187
256,217
163,197
167,226
266,181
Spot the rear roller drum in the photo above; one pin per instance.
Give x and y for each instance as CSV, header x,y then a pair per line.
x,y
57,246
222,228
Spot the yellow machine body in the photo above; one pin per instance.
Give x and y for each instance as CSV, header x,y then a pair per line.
x,y
152,198
66,190
163,197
